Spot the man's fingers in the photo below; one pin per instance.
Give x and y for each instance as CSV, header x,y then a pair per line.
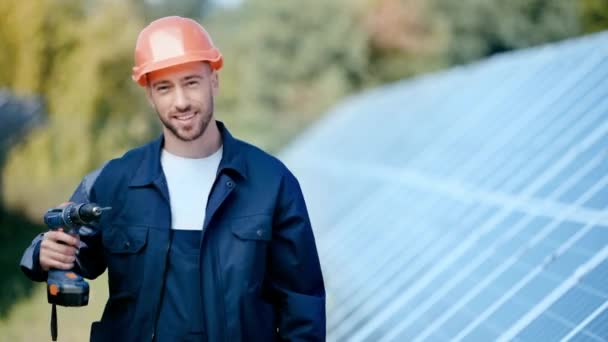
x,y
60,236
52,246
61,257
48,264
51,259
66,252
58,250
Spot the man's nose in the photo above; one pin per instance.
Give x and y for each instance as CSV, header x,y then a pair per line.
x,y
182,102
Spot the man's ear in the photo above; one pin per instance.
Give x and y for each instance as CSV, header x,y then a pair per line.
x,y
149,96
215,83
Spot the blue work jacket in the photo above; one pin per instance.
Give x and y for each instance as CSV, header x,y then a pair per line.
x,y
259,270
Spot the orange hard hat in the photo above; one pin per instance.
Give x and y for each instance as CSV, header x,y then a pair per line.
x,y
170,41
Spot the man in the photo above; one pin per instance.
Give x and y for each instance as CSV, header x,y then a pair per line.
x,y
208,238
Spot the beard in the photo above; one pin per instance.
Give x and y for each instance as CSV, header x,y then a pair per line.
x,y
191,133
200,121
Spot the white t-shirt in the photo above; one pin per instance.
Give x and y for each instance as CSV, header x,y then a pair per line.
x,y
189,181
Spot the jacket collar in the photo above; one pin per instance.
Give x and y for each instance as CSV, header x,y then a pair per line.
x,y
150,169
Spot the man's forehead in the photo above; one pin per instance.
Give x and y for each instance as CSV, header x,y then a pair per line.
x,y
180,71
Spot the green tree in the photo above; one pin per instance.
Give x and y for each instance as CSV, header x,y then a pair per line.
x,y
480,28
406,38
594,15
78,56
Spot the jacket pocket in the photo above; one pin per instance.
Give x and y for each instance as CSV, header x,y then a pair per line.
x,y
248,249
125,253
125,240
255,227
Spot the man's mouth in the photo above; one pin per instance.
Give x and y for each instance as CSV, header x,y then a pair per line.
x,y
185,117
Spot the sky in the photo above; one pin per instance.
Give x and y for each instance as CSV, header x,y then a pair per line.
x,y
228,3
223,3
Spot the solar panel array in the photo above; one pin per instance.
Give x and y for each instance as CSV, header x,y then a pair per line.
x,y
467,205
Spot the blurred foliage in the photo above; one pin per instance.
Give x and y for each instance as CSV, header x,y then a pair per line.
x,y
594,14
76,55
286,62
405,38
480,28
153,9
13,242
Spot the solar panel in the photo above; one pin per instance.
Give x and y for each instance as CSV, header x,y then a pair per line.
x,y
467,205
18,117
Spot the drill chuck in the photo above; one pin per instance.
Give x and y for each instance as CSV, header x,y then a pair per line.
x,y
73,216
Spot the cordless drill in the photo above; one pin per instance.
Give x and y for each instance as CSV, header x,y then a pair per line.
x,y
64,287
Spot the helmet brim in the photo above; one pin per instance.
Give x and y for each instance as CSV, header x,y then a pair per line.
x,y
213,56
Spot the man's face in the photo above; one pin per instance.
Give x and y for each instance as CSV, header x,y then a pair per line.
x,y
183,98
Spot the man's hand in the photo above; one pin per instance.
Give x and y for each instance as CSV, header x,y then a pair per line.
x,y
58,250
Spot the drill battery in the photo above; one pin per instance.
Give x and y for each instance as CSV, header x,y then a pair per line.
x,y
67,288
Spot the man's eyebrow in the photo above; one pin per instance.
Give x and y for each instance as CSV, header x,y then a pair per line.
x,y
157,83
190,77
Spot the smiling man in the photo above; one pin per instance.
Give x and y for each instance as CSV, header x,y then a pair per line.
x,y
209,237
183,98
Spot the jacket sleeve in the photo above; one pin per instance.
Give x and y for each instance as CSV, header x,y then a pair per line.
x,y
89,262
295,273
30,261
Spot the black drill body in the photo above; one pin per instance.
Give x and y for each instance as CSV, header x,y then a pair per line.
x,y
67,288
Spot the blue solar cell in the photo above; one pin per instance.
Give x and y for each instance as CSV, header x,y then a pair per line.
x,y
544,328
517,304
598,327
565,173
460,319
538,287
592,176
593,241
582,337
367,284
482,333
558,235
436,303
536,255
565,314
416,326
474,295
403,334
507,170
597,279
565,264
599,200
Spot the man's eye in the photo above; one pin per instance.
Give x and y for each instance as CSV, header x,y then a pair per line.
x,y
162,89
192,83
